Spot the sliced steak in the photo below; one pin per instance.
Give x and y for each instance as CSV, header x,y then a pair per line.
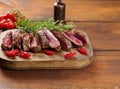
x,y
65,43
73,39
17,39
80,37
34,44
26,42
43,40
53,41
7,42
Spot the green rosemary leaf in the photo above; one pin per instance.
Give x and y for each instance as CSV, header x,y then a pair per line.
x,y
68,27
28,26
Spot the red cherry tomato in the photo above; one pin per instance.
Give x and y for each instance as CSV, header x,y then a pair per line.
x,y
82,51
9,20
25,55
48,52
11,25
16,51
3,22
69,55
5,25
11,16
10,54
3,17
0,25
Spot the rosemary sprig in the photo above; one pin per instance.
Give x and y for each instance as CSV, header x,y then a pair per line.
x,y
28,26
50,24
68,27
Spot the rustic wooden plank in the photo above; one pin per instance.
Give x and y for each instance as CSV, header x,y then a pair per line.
x,y
78,10
103,73
103,36
104,62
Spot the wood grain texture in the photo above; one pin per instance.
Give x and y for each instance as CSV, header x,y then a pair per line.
x,y
103,73
77,10
101,20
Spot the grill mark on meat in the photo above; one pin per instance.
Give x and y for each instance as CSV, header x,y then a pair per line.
x,y
53,41
7,42
43,40
73,39
65,43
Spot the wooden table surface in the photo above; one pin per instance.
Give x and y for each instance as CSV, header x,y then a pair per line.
x,y
100,19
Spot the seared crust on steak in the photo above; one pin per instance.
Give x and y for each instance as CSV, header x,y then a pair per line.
x,y
17,39
26,42
34,44
7,42
43,39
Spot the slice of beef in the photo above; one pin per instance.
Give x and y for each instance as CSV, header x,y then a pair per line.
x,y
26,42
17,39
7,42
43,40
53,41
34,44
80,37
65,43
73,39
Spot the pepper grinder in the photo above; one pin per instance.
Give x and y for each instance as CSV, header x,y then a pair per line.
x,y
59,11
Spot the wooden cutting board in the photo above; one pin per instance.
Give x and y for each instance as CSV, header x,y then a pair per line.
x,y
43,61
